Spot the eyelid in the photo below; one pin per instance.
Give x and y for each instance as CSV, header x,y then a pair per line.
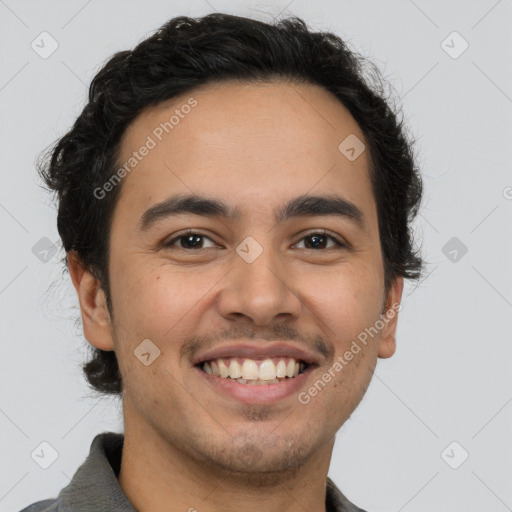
x,y
340,242
336,238
175,238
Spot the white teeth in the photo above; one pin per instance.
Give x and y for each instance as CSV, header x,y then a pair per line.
x,y
267,370
281,369
224,370
290,368
215,368
235,370
252,371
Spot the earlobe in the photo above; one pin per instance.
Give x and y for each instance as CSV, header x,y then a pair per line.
x,y
95,315
387,345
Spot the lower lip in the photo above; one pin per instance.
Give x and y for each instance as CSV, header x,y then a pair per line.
x,y
255,393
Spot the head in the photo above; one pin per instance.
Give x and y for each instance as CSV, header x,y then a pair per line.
x,y
252,115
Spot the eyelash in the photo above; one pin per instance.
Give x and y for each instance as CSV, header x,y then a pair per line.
x,y
339,244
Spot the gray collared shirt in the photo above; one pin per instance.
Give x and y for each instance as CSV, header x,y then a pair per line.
x,y
95,488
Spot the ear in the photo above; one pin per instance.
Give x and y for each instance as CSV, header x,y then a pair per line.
x,y
390,318
93,305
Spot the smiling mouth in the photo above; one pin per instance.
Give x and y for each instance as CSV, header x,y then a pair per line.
x,y
254,372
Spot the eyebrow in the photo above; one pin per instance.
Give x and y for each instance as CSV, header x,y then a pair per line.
x,y
304,205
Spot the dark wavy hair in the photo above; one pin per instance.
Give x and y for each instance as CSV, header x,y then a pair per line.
x,y
188,52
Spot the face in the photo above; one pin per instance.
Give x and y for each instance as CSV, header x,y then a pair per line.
x,y
196,283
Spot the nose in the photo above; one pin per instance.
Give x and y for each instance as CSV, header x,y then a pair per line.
x,y
260,292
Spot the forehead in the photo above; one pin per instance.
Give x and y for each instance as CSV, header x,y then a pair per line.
x,y
247,142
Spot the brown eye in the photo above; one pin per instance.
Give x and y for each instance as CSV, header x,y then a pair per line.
x,y
188,241
191,241
318,240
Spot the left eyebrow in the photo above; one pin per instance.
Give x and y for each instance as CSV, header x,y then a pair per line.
x,y
304,205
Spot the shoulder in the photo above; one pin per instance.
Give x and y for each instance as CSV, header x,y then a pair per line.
x,y
336,501
50,505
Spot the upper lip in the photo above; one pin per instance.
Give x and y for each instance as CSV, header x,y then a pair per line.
x,y
261,350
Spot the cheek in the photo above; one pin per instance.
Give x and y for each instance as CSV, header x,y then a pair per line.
x,y
346,301
346,306
160,302
343,312
160,305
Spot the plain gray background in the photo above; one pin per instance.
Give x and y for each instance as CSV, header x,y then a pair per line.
x,y
449,380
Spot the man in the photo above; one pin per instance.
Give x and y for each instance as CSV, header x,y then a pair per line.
x,y
235,204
